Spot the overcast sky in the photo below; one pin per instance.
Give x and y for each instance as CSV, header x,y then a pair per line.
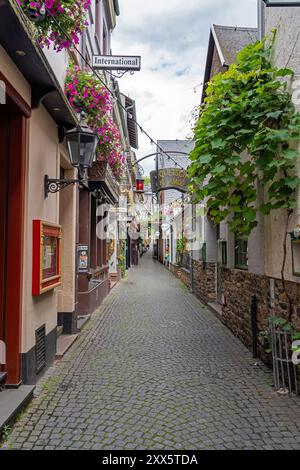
x,y
172,38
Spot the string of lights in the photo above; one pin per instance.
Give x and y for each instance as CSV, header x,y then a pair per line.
x,y
142,130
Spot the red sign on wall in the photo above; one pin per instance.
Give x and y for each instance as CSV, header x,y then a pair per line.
x,y
46,268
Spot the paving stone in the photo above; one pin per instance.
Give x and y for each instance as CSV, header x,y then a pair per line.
x,y
154,369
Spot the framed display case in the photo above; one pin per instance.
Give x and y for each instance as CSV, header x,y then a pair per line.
x,y
46,268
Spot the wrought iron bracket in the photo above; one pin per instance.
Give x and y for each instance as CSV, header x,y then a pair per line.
x,y
55,185
120,73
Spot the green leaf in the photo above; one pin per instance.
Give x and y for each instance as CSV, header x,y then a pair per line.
x,y
284,72
218,144
290,154
266,208
274,114
292,182
207,158
219,169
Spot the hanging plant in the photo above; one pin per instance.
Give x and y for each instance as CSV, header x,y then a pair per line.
x,y
244,135
87,94
59,22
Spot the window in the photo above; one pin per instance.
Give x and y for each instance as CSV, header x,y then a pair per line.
x,y
84,51
203,252
98,20
241,252
105,40
224,252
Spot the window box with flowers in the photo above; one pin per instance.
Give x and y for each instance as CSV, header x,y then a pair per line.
x,y
58,22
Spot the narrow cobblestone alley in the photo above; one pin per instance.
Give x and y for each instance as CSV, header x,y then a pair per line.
x,y
154,369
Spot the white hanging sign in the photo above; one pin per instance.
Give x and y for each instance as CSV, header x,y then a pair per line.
x,y
116,62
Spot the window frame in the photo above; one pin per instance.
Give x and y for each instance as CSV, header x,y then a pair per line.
x,y
240,254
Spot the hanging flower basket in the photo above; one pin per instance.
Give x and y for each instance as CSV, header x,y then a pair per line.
x,y
62,22
35,11
87,94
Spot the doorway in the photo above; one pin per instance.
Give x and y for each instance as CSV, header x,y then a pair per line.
x,y
13,137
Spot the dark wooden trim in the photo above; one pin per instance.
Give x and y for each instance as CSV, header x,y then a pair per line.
x,y
16,97
4,145
15,245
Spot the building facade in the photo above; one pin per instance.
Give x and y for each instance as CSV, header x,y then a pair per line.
x,y
45,293
229,273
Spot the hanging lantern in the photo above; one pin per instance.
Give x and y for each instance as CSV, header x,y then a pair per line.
x,y
81,143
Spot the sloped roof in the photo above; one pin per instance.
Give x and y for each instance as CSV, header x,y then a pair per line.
x,y
230,40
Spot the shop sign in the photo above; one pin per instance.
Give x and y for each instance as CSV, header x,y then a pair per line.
x,y
169,178
116,62
82,258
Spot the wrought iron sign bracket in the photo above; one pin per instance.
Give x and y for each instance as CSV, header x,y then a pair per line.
x,y
120,73
55,185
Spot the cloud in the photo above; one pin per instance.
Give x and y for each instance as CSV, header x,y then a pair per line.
x,y
172,38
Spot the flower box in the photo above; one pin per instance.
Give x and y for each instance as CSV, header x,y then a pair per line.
x,y
101,176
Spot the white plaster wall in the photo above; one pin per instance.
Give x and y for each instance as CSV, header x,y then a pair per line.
x,y
286,54
67,219
43,151
13,75
59,62
256,241
211,241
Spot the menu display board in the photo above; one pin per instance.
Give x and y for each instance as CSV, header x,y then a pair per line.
x,y
82,258
46,273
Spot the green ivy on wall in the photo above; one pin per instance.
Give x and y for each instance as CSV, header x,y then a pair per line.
x,y
246,133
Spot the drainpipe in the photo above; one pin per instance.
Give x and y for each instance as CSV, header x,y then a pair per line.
x,y
254,325
261,19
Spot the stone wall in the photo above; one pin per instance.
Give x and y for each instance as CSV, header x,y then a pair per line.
x,y
181,273
204,281
238,287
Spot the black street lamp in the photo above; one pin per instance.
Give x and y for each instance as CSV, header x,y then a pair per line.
x,y
281,3
81,144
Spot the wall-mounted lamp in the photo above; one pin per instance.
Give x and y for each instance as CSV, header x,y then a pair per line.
x,y
81,144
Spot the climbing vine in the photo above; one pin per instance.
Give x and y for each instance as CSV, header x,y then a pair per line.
x,y
245,136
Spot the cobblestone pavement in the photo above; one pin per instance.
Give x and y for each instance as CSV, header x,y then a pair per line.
x,y
154,369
